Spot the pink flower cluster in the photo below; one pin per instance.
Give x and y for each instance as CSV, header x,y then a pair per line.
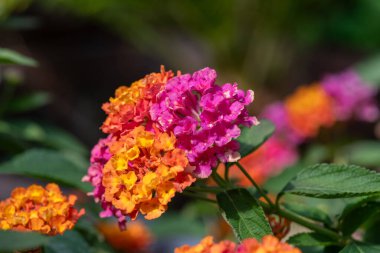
x,y
204,117
352,97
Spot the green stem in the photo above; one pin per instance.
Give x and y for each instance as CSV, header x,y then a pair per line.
x,y
270,207
197,196
218,179
258,188
226,172
302,221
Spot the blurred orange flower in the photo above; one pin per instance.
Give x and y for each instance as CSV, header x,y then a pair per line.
x,y
136,238
207,245
308,109
269,244
35,208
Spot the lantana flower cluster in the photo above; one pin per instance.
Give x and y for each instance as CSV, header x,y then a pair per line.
x,y
44,210
269,244
301,115
164,131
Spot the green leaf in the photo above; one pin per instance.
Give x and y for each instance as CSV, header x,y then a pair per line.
x,y
243,213
252,138
276,183
28,102
60,139
43,134
22,130
309,211
8,56
372,231
360,248
102,247
365,153
334,181
69,242
11,241
322,210
352,220
310,239
48,165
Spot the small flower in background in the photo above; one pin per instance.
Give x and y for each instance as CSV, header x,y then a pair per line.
x,y
269,244
39,209
204,117
207,245
137,238
309,109
351,96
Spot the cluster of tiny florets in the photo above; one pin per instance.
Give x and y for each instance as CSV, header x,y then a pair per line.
x,y
44,210
269,244
164,131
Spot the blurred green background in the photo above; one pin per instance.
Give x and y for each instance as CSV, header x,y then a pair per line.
x,y
86,48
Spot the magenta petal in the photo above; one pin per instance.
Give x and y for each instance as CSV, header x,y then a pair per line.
x,y
203,79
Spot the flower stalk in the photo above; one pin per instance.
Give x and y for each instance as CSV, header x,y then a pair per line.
x,y
270,207
258,188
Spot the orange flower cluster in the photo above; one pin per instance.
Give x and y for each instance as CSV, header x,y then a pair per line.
x,y
144,173
207,245
130,106
37,209
136,238
269,244
310,108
